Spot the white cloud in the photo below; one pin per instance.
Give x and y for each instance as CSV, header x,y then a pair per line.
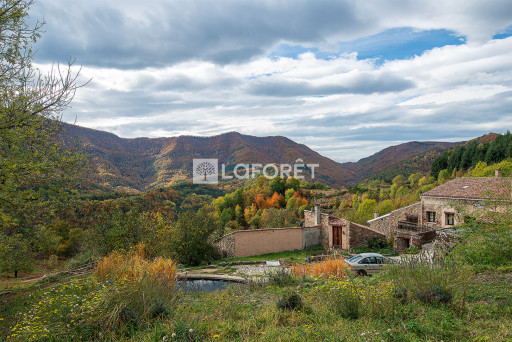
x,y
163,68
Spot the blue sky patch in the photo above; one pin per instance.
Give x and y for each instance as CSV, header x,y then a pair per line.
x,y
399,43
503,34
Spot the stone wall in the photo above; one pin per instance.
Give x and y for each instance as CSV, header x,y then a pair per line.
x,y
387,224
401,214
359,235
226,245
326,234
381,224
309,218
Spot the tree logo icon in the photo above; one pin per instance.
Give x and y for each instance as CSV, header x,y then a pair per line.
x,y
205,171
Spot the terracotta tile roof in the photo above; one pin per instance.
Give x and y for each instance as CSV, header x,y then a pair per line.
x,y
473,188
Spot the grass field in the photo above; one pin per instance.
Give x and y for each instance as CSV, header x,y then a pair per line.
x,y
314,309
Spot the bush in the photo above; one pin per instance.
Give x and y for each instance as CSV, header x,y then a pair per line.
x,y
418,278
353,300
412,250
336,268
191,245
347,302
435,294
485,245
140,290
81,260
378,242
133,268
290,300
280,277
53,261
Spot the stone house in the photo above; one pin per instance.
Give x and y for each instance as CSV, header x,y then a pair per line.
x,y
402,225
442,208
337,232
448,204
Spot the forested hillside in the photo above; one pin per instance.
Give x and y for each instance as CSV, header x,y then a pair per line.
x,y
404,159
491,148
142,163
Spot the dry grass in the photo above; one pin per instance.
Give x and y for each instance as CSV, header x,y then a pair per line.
x,y
336,268
135,269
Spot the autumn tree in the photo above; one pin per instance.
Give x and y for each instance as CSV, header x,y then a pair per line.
x,y
14,254
34,168
278,185
365,211
192,244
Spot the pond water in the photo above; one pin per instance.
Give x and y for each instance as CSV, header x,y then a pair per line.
x,y
203,285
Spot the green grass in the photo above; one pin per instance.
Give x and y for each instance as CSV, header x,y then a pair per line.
x,y
291,256
251,313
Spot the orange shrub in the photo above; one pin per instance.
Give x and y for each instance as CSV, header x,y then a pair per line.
x,y
136,270
336,268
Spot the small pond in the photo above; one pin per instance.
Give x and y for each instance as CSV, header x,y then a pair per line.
x,y
204,285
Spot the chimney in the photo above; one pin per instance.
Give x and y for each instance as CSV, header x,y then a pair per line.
x,y
318,219
497,173
375,214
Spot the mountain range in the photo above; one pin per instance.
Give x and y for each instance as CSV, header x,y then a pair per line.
x,y
144,163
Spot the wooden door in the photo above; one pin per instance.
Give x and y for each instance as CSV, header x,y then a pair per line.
x,y
336,235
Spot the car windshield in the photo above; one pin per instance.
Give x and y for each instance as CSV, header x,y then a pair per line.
x,y
355,258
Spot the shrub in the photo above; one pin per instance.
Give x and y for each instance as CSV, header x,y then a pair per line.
x,y
280,277
81,260
336,268
412,250
57,313
139,290
353,300
419,278
485,245
290,300
441,294
347,302
133,268
53,261
377,242
191,244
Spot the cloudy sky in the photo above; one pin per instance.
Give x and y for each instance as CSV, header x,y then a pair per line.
x,y
346,78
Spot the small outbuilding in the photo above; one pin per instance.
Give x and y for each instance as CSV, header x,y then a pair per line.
x,y
337,232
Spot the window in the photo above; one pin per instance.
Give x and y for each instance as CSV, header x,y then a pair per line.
x,y
355,258
450,219
369,260
411,218
431,216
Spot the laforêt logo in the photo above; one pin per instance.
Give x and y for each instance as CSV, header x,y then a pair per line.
x,y
206,171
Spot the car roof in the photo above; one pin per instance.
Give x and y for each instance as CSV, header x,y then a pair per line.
x,y
364,255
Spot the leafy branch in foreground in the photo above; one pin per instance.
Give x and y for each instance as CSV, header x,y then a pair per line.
x,y
35,171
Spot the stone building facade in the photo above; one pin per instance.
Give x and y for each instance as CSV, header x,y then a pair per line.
x,y
337,232
444,207
386,223
448,204
402,226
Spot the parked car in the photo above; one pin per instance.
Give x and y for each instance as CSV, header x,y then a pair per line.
x,y
368,263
